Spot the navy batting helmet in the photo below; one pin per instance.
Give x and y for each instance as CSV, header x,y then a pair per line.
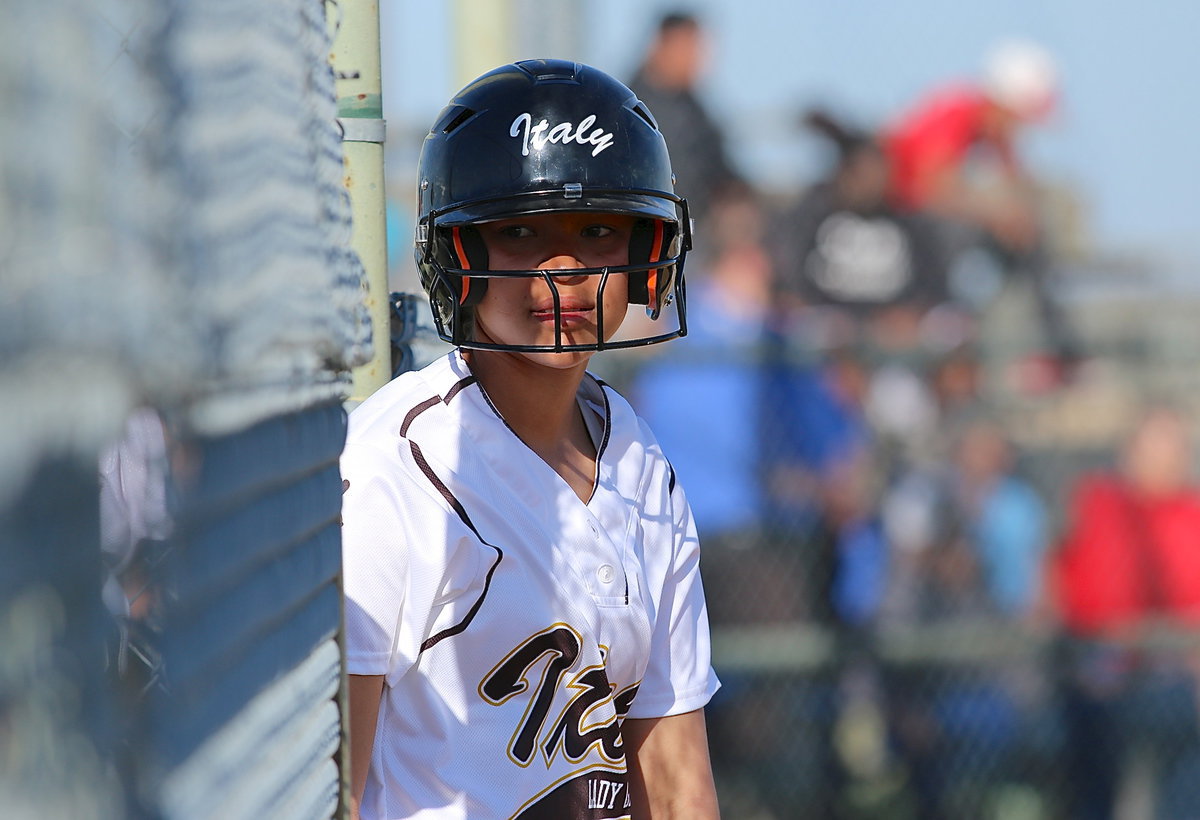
x,y
542,136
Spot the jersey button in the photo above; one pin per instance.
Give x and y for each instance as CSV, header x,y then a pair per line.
x,y
606,573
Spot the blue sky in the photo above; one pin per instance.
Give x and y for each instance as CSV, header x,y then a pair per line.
x,y
1125,137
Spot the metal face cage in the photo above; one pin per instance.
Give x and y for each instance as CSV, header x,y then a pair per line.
x,y
454,319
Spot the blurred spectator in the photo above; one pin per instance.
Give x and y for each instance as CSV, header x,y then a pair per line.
x,y
864,284
843,247
1006,521
1130,550
134,508
1130,559
970,538
903,411
977,511
956,382
666,81
954,156
934,146
821,485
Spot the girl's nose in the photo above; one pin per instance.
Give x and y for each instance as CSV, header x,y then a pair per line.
x,y
565,263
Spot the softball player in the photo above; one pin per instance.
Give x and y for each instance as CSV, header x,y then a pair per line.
x,y
526,629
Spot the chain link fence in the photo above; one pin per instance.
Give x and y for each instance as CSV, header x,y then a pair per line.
x,y
181,309
886,520
896,554
885,535
173,235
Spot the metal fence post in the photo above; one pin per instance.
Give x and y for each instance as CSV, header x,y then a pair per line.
x,y
357,65
356,62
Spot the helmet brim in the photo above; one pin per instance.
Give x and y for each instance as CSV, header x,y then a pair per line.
x,y
656,206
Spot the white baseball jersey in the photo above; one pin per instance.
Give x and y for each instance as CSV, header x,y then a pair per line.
x,y
516,626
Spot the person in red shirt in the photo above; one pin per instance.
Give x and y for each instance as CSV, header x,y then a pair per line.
x,y
1132,550
1129,560
939,147
954,159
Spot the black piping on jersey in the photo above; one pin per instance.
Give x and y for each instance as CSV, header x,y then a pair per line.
x,y
416,411
462,625
431,401
455,504
607,425
462,384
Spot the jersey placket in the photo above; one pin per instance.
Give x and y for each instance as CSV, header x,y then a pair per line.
x,y
601,561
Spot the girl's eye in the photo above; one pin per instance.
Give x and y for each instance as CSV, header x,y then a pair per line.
x,y
596,231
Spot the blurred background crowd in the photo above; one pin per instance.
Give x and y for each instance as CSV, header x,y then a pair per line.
x,y
936,411
938,441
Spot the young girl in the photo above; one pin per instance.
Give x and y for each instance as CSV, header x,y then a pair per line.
x,y
526,629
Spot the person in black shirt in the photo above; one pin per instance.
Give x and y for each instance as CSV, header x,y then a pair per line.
x,y
666,82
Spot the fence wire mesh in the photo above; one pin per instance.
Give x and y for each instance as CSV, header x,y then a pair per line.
x,y
909,551
890,645
174,234
904,550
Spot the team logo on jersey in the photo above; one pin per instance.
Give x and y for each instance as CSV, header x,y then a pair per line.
x,y
543,134
587,730
584,724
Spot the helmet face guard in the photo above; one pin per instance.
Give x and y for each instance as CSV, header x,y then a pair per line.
x,y
454,257
548,136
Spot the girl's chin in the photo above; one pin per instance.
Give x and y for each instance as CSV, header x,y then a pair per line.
x,y
544,338
547,341
559,360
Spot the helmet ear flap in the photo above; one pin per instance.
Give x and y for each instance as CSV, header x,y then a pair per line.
x,y
650,241
641,243
461,246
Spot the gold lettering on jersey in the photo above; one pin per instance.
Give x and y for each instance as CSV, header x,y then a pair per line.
x,y
603,794
583,724
542,134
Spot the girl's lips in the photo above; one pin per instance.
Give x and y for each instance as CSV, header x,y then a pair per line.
x,y
569,313
566,306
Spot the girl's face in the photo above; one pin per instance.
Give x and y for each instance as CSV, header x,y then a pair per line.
x,y
520,310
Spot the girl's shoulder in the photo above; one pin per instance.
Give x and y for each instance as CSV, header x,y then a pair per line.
x,y
393,408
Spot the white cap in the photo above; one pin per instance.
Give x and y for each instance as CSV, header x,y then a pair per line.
x,y
1021,76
